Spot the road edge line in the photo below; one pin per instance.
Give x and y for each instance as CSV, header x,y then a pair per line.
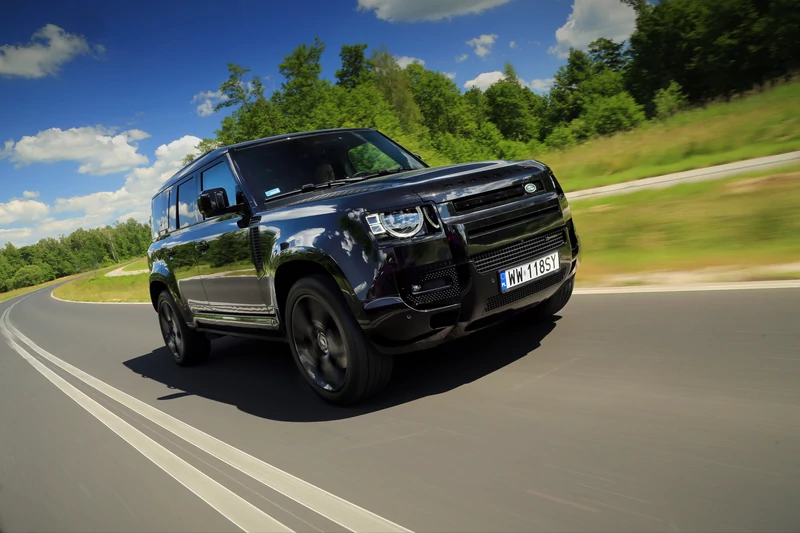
x,y
230,505
340,511
696,287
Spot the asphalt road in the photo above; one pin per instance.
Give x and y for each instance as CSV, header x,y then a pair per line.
x,y
630,412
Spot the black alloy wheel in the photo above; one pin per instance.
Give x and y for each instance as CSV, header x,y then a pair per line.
x,y
186,345
328,345
319,344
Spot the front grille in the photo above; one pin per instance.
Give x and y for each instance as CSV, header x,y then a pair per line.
x,y
493,198
501,300
518,252
424,275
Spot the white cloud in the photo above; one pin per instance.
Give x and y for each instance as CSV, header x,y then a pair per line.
x,y
450,75
140,185
483,44
132,200
541,85
404,61
50,47
98,149
16,211
512,44
462,57
208,100
425,10
590,20
485,80
30,194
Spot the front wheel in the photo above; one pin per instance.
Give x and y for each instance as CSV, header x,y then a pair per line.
x,y
328,345
187,346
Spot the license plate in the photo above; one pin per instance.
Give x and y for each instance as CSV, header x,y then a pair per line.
x,y
521,274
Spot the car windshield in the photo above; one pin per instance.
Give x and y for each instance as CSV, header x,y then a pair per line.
x,y
286,165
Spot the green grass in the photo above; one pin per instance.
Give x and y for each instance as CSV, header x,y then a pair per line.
x,y
19,292
755,125
743,221
99,288
140,264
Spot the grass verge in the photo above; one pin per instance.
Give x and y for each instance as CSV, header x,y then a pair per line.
x,y
752,126
746,221
19,292
99,288
139,264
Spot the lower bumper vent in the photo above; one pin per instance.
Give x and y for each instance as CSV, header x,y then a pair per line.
x,y
501,300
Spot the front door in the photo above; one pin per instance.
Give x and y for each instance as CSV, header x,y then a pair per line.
x,y
224,254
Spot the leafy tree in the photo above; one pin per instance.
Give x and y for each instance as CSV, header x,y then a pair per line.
x,y
508,107
395,86
607,54
669,101
355,66
27,276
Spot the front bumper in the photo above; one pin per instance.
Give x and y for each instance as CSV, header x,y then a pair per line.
x,y
407,322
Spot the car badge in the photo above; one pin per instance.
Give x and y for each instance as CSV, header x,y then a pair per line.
x,y
530,187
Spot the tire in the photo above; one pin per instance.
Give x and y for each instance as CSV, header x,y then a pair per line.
x,y
329,347
555,303
186,346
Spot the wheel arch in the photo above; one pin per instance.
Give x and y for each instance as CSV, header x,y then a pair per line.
x,y
310,262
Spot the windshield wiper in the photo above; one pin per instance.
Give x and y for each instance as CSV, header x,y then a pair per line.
x,y
384,172
308,187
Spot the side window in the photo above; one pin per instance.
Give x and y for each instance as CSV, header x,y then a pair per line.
x,y
173,218
220,176
188,213
160,223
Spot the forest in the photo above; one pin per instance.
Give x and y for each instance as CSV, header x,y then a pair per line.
x,y
683,53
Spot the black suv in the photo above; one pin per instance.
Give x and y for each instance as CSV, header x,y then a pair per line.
x,y
352,249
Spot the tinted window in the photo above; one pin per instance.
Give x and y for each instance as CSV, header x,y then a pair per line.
x,y
220,176
173,219
287,165
160,223
188,213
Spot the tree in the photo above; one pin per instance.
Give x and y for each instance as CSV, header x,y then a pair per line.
x,y
355,66
395,87
508,108
302,89
607,54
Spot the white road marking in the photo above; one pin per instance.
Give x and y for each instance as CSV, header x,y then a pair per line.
x,y
239,511
734,286
332,507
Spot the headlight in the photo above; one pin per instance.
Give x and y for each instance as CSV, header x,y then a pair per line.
x,y
402,223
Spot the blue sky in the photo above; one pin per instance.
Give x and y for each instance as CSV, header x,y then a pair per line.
x,y
99,101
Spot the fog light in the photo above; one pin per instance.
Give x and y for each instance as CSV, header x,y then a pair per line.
x,y
416,288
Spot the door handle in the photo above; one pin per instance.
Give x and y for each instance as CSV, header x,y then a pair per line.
x,y
202,246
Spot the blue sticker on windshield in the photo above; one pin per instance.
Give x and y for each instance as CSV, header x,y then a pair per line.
x,y
272,192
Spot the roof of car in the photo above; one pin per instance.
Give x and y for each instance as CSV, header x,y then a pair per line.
x,y
213,154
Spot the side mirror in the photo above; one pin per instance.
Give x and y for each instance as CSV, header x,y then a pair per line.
x,y
213,202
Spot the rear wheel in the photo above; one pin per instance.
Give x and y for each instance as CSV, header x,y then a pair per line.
x,y
187,346
328,345
555,303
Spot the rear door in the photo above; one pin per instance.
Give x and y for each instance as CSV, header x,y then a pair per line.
x,y
225,255
175,249
185,255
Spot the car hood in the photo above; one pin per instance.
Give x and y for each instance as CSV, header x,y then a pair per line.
x,y
438,184
443,184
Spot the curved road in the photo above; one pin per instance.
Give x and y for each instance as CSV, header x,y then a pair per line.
x,y
631,412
